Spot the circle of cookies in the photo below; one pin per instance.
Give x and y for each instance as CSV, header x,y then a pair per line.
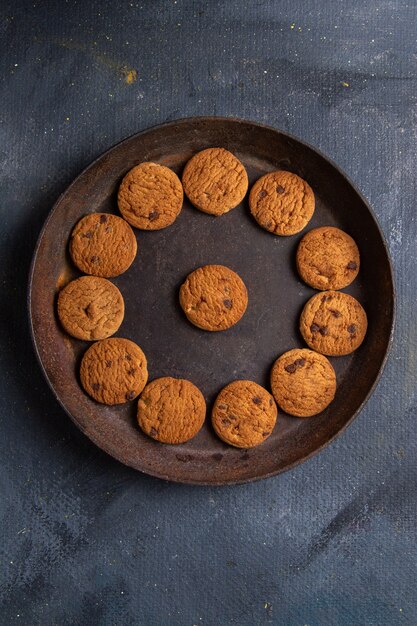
x,y
282,202
327,258
171,410
114,371
150,196
90,308
244,414
333,323
215,181
213,297
303,382
103,245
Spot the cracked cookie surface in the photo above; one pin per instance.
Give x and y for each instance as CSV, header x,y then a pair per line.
x,y
103,245
213,297
114,371
150,196
90,308
333,323
328,258
215,181
244,414
303,382
171,410
282,202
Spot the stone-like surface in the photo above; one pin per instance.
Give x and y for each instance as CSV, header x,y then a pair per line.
x,y
88,541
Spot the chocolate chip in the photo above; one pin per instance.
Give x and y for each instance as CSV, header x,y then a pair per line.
x,y
226,422
233,417
262,193
94,259
314,328
88,234
103,219
109,363
351,265
256,400
326,298
95,386
271,402
130,395
324,331
131,371
290,368
266,433
227,304
128,357
269,224
352,329
153,215
280,189
300,362
222,407
335,312
153,432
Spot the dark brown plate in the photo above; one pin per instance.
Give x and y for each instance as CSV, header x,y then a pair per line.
x,y
211,360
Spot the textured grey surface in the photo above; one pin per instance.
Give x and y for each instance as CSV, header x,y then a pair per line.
x,y
88,541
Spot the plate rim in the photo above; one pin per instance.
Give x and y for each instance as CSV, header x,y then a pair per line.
x,y
393,313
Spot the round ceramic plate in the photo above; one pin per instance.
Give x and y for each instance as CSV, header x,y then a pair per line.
x,y
211,360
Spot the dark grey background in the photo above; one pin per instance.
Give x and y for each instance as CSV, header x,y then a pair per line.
x,y
85,540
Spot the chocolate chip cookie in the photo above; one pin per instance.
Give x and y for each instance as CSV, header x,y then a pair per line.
x,y
215,181
282,202
90,308
303,382
244,414
102,244
213,297
328,258
333,323
114,371
171,410
150,196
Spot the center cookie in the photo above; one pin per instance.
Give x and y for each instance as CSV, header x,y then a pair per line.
x,y
171,410
150,196
215,181
282,202
114,371
213,297
244,414
333,323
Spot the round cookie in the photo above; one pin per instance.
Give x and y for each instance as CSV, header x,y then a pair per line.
x,y
333,323
171,410
90,308
102,244
282,202
244,414
213,297
303,382
327,258
215,181
113,371
150,196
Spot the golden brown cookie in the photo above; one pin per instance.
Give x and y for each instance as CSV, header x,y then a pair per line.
x,y
328,258
333,323
114,371
102,244
215,181
150,196
213,297
282,202
303,382
90,308
171,410
244,414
